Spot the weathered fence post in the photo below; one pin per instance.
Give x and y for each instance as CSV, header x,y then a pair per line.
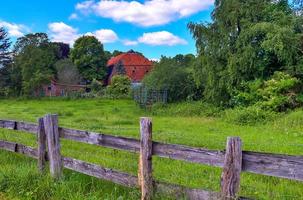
x,y
145,161
53,143
230,179
41,145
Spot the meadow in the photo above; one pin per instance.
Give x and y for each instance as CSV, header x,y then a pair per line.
x,y
19,178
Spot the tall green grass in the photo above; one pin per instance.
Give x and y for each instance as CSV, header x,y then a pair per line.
x,y
206,127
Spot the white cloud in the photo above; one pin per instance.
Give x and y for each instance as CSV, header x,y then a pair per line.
x,y
14,30
161,38
61,32
73,16
130,42
149,13
106,35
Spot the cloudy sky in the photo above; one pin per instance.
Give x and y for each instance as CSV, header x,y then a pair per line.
x,y
153,27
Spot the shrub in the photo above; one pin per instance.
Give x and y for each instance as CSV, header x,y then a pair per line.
x,y
279,93
248,115
96,86
119,88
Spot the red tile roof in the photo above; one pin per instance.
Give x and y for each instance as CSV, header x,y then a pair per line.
x,y
129,59
136,65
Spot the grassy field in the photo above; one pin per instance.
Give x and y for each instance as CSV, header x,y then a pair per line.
x,y
19,178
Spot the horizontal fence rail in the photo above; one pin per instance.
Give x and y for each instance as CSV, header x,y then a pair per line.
x,y
114,176
283,166
277,165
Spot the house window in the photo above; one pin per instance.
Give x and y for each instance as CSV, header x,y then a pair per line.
x,y
49,88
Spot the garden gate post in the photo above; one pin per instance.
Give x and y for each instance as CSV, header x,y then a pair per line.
x,y
230,179
145,162
53,143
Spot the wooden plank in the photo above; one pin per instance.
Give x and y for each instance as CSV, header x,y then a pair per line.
x,y
189,154
8,124
53,143
41,145
145,160
20,126
230,179
180,192
27,127
121,143
177,152
18,148
132,181
283,166
100,172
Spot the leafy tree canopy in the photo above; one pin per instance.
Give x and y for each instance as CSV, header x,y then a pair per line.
x,y
246,40
88,55
34,62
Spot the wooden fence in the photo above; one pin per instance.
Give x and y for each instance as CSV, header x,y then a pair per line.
x,y
233,160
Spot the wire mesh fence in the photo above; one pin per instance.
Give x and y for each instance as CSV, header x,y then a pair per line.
x,y
146,97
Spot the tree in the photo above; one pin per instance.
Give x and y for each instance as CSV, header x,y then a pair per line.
x,y
5,44
88,55
67,72
169,75
5,60
34,62
245,41
116,53
63,50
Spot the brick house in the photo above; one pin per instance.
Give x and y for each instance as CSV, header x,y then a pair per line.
x,y
136,66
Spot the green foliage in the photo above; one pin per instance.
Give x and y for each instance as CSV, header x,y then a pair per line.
x,y
251,115
120,87
171,75
279,93
5,61
257,38
34,62
89,56
4,48
96,86
67,72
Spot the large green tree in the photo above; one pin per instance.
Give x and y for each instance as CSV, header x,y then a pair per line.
x,y
5,60
171,75
246,40
34,62
5,44
88,55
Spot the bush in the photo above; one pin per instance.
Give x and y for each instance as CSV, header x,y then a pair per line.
x,y
248,115
279,93
120,87
96,87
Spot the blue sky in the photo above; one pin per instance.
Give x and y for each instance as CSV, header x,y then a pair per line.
x,y
153,27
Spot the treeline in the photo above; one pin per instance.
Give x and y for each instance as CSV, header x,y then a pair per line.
x,y
34,61
251,54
